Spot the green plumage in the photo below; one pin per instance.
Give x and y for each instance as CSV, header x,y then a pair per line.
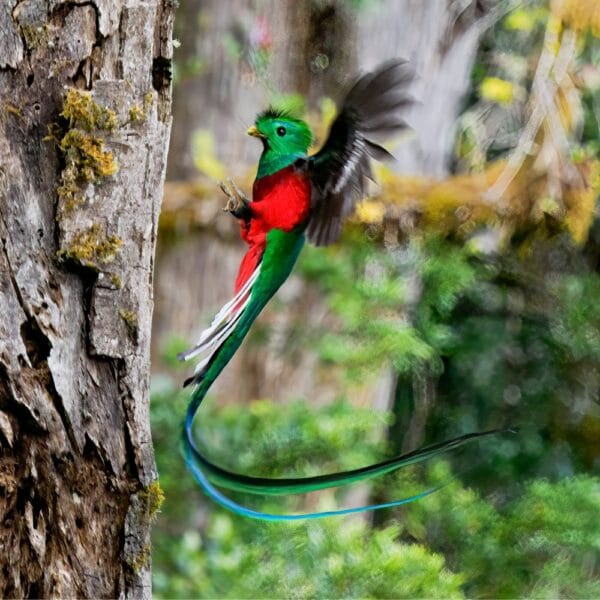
x,y
285,140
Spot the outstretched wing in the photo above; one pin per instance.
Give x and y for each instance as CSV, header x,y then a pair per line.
x,y
338,172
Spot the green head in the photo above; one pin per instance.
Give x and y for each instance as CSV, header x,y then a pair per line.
x,y
284,139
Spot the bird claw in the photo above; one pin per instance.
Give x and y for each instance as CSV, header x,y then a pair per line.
x,y
237,202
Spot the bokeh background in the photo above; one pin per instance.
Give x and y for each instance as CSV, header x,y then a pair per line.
x,y
465,295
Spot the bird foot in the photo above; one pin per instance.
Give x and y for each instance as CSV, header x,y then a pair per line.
x,y
237,202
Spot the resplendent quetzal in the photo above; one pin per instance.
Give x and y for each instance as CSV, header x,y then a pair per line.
x,y
296,196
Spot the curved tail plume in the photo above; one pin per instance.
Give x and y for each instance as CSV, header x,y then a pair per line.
x,y
295,193
222,340
244,511
206,472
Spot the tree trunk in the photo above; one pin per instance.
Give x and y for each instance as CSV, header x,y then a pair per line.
x,y
84,125
440,38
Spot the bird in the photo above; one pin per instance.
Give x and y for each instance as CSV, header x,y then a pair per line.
x,y
298,197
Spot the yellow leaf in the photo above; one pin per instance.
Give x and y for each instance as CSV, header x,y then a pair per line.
x,y
580,15
580,202
370,212
205,159
497,90
521,20
578,220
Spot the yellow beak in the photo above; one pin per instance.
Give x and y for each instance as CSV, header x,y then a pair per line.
x,y
253,131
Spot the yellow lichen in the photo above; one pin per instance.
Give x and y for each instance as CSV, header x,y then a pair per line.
x,y
131,320
136,114
116,281
11,109
152,498
35,36
141,560
128,315
85,155
91,247
150,501
54,134
139,112
81,111
86,160
148,100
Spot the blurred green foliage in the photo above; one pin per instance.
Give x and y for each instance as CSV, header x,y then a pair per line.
x,y
452,544
203,551
544,544
508,340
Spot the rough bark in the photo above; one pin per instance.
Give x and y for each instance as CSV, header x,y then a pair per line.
x,y
76,260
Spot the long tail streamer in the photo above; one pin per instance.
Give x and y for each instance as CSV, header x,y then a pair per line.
x,y
222,340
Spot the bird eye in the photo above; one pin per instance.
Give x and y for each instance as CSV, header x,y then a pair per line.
x,y
281,131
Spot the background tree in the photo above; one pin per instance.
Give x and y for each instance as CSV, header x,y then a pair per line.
x,y
233,61
84,124
463,297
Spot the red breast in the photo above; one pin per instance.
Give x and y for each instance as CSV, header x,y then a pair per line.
x,y
280,201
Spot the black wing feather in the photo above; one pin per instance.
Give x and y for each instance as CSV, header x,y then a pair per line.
x,y
339,170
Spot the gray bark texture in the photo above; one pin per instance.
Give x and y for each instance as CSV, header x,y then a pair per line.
x,y
85,107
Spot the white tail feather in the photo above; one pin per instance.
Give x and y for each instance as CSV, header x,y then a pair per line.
x,y
223,324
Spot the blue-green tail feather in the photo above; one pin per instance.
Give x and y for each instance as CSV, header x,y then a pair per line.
x,y
286,248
